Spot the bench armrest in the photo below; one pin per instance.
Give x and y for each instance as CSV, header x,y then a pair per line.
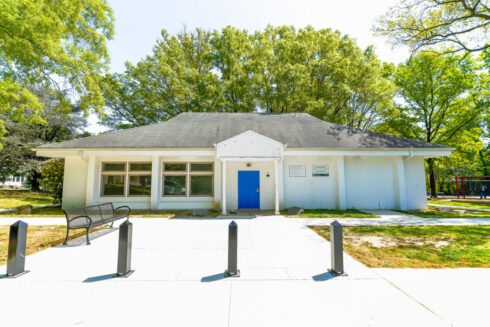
x,y
79,217
123,207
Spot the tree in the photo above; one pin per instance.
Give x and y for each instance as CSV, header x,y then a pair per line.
x,y
178,77
280,69
53,44
59,123
458,25
52,177
439,102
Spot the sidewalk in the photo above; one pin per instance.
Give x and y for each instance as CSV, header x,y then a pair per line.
x,y
178,281
388,218
392,218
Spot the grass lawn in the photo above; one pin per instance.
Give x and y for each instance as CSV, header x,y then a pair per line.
x,y
433,213
11,199
57,212
38,238
327,213
416,246
462,203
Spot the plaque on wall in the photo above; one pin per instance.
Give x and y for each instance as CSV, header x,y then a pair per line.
x,y
320,170
297,171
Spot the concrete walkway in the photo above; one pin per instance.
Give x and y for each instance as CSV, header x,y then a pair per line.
x,y
179,282
388,218
393,218
460,207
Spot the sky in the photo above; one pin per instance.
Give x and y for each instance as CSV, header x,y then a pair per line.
x,y
138,23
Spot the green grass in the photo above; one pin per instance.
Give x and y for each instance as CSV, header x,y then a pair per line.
x,y
431,212
58,212
416,246
327,213
461,203
39,238
11,199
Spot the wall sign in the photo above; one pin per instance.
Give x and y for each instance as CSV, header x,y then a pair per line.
x,y
318,170
297,171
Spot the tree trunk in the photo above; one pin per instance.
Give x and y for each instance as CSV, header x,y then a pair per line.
x,y
34,177
432,178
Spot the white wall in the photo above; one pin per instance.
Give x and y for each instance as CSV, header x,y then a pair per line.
x,y
266,183
310,192
370,182
75,182
415,183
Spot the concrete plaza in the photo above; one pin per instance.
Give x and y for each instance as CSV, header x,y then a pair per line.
x,y
178,281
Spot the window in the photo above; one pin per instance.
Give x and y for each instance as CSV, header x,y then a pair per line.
x,y
124,179
186,179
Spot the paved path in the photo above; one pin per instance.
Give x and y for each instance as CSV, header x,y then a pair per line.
x,y
179,282
459,207
388,218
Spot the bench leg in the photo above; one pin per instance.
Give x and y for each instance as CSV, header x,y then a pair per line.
x,y
66,238
88,240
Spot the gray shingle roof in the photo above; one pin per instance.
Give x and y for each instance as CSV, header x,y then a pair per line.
x,y
202,130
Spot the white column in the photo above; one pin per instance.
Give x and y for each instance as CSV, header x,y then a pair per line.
x,y
276,187
341,182
89,195
155,182
223,186
402,191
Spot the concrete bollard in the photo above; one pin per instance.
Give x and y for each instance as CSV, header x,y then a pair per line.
x,y
232,270
124,249
17,249
336,249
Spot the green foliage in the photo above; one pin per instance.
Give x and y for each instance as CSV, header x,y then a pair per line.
x,y
59,123
52,177
456,25
442,99
280,69
48,43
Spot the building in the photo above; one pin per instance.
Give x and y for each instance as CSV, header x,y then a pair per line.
x,y
244,161
14,182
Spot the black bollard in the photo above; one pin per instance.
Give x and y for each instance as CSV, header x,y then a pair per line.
x,y
232,270
336,248
124,251
17,249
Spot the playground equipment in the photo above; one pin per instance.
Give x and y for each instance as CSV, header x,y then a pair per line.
x,y
470,185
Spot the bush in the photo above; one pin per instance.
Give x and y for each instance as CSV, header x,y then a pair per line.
x,y
52,172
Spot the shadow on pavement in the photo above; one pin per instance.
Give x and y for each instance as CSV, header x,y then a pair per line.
x,y
213,278
323,277
82,240
99,278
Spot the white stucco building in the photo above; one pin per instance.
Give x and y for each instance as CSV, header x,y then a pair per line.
x,y
245,161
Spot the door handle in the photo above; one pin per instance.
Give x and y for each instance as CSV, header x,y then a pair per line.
x,y
258,190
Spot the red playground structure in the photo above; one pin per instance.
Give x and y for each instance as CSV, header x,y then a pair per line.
x,y
471,185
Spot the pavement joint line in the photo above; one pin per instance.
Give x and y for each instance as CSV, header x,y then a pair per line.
x,y
229,304
413,298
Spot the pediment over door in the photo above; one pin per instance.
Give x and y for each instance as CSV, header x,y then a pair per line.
x,y
250,145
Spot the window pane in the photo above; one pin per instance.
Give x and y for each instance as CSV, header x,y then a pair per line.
x,y
114,167
113,185
140,185
202,185
174,185
202,167
142,166
175,167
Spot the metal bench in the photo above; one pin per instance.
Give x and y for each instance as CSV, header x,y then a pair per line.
x,y
93,216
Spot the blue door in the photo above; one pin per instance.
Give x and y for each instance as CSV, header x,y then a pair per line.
x,y
248,189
